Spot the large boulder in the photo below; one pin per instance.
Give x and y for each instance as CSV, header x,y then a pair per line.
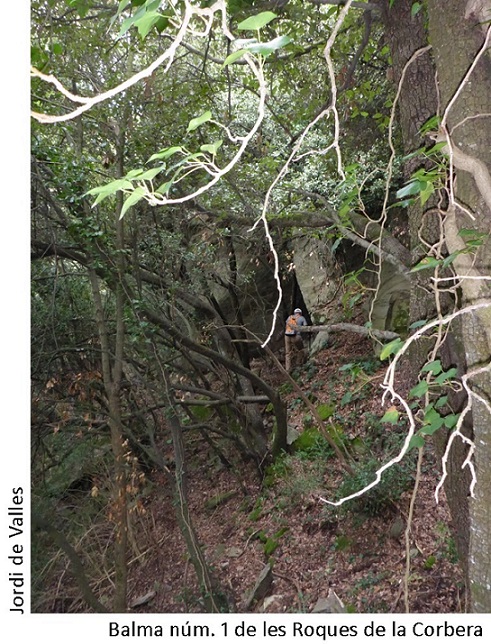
x,y
318,275
390,310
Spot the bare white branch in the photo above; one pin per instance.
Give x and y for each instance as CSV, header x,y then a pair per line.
x,y
388,386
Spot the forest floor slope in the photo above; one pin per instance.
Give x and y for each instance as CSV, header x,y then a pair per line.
x,y
356,550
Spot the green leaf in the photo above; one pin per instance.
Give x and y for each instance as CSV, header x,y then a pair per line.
x,y
392,347
426,192
199,120
412,188
426,262
431,124
57,48
109,189
267,48
134,197
132,174
446,375
122,6
449,260
419,390
165,187
435,367
451,420
147,22
432,419
435,148
430,562
415,9
233,57
325,411
336,244
465,233
126,25
162,23
429,430
346,398
416,441
164,154
150,174
256,22
441,402
390,416
212,148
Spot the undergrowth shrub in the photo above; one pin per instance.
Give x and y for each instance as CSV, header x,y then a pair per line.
x,y
295,478
394,482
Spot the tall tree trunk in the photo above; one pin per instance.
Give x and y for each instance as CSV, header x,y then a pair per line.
x,y
112,371
419,100
457,33
414,73
112,383
214,599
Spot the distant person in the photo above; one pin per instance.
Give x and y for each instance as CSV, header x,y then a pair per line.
x,y
294,349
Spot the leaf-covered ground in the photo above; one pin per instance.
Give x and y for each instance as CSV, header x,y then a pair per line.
x,y
359,550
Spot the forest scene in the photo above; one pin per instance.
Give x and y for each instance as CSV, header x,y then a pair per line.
x,y
260,306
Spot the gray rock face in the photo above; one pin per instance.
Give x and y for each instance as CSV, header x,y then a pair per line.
x,y
391,308
261,587
317,274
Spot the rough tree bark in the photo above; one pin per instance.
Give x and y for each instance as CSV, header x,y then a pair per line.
x,y
421,95
457,32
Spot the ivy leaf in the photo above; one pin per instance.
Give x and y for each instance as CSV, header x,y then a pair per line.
x,y
432,420
416,441
441,402
199,120
256,22
390,416
346,398
419,390
446,375
429,430
134,197
451,420
392,347
435,367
